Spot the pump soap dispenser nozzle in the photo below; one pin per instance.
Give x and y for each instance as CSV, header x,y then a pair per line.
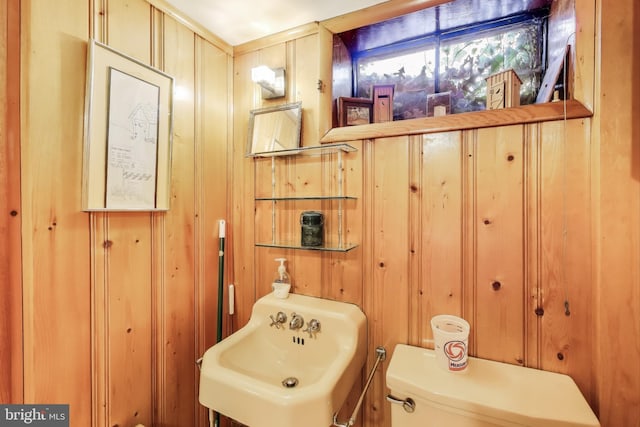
x,y
282,283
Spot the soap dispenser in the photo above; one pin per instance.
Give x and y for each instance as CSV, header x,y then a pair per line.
x,y
282,283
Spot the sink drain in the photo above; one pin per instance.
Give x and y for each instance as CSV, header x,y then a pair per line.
x,y
290,382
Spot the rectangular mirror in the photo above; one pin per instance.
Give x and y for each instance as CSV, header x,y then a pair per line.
x,y
274,129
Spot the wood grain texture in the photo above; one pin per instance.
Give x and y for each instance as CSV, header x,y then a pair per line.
x,y
122,350
11,354
242,181
127,307
438,230
616,190
388,315
498,252
475,120
532,249
55,237
212,158
122,308
566,288
177,313
101,309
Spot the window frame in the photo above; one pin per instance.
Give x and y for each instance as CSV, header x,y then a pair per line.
x,y
438,37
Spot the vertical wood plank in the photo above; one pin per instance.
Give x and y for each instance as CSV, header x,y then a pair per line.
x,y
128,316
212,163
243,178
307,61
441,230
128,27
417,299
178,351
325,80
565,226
342,277
388,318
158,249
532,246
469,234
54,231
499,245
307,175
11,385
122,291
306,178
585,72
616,192
212,148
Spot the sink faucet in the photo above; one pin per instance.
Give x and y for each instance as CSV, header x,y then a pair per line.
x,y
313,327
278,320
296,322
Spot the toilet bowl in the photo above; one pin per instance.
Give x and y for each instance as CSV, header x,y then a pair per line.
x,y
488,394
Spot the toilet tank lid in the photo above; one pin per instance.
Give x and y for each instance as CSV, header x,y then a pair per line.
x,y
512,393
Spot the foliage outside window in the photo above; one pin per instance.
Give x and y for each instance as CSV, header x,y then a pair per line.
x,y
465,60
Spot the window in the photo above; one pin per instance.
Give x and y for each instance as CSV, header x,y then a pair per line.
x,y
412,72
457,61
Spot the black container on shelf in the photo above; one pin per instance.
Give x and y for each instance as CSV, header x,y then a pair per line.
x,y
312,233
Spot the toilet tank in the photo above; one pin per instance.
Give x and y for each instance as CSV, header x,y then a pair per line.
x,y
486,394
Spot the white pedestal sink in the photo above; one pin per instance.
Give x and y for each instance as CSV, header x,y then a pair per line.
x,y
268,375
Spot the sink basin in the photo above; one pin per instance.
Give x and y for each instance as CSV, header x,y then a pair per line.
x,y
268,375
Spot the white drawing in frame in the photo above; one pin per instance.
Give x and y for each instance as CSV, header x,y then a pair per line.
x,y
132,142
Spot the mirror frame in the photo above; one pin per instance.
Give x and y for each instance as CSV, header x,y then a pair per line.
x,y
257,113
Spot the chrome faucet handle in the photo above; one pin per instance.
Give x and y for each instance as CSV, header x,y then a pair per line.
x,y
312,327
279,320
296,322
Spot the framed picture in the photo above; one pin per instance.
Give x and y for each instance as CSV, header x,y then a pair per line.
x,y
552,75
354,111
274,129
127,134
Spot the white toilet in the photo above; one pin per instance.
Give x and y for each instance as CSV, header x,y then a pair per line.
x,y
486,394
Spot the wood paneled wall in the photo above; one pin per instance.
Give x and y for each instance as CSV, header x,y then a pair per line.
x,y
10,253
117,306
502,225
491,224
616,201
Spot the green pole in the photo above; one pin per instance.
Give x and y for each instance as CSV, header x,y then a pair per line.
x,y
221,236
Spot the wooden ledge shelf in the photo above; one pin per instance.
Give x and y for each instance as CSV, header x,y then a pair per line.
x,y
463,121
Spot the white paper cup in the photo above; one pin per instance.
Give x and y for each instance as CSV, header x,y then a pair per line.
x,y
281,290
451,342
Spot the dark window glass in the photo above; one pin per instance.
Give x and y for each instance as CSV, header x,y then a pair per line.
x,y
457,62
465,63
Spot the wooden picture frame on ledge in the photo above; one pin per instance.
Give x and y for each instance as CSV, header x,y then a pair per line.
x,y
552,76
127,133
354,111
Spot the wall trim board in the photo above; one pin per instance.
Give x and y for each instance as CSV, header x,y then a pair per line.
x,y
463,121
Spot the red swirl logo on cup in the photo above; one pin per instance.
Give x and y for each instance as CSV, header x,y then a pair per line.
x,y
455,350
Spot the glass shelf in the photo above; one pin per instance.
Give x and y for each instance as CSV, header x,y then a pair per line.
x,y
287,245
338,149
305,198
312,150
